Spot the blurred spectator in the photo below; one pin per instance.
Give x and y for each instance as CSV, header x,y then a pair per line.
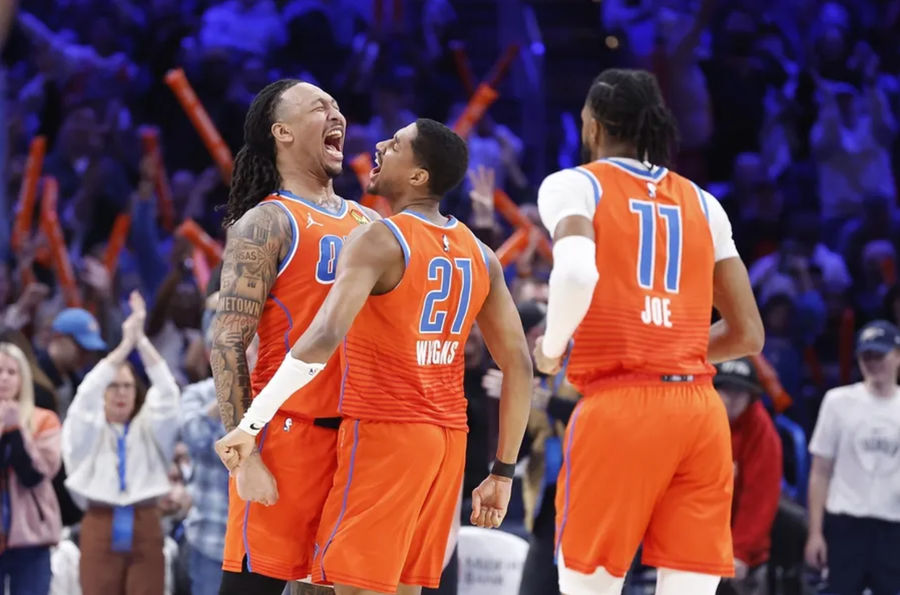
x,y
755,206
20,314
392,102
174,324
803,246
250,26
76,337
851,142
877,271
854,483
30,520
93,185
879,221
118,442
756,448
892,305
201,426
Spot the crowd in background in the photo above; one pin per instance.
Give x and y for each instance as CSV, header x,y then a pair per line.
x,y
788,114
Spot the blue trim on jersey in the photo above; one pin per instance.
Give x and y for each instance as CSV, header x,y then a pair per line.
x,y
400,239
484,254
451,223
655,174
290,321
290,195
590,176
295,236
702,198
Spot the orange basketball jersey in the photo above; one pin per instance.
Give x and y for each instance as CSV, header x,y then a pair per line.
x,y
304,278
651,308
403,357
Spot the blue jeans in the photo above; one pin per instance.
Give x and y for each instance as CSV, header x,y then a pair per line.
x,y
206,574
28,569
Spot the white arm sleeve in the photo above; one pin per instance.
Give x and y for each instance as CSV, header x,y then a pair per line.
x,y
291,376
567,192
572,283
720,228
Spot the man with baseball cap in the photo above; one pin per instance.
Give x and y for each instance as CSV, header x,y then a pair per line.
x,y
76,335
756,451
854,483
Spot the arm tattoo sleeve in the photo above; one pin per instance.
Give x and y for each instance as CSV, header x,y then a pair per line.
x,y
249,267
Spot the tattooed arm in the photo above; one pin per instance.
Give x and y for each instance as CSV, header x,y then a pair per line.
x,y
255,246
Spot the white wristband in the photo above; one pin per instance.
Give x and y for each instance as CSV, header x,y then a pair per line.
x,y
291,376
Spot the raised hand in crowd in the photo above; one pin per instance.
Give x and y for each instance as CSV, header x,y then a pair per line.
x,y
482,196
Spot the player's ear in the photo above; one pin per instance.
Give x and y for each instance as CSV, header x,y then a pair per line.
x,y
419,177
282,132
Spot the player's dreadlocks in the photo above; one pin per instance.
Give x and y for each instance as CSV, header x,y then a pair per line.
x,y
629,105
255,174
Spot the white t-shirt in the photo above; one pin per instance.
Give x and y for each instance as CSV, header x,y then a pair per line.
x,y
861,433
574,192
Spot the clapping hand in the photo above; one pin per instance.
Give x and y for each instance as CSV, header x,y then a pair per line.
x,y
133,327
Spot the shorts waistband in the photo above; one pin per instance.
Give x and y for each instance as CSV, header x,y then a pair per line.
x,y
644,379
331,423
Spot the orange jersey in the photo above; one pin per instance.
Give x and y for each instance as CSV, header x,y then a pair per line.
x,y
304,278
652,306
403,356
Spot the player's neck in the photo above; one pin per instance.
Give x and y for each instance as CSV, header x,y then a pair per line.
x,y
312,188
612,150
425,206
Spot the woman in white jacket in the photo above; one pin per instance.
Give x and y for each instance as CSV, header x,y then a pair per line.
x,y
118,442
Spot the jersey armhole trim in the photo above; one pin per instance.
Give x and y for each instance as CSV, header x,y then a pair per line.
x,y
702,199
594,183
295,236
398,235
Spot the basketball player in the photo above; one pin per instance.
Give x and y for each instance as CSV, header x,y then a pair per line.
x,y
647,451
286,230
418,281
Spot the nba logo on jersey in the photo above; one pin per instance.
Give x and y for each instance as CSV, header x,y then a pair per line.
x,y
446,243
287,425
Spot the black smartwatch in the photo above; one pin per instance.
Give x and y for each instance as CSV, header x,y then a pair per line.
x,y
501,469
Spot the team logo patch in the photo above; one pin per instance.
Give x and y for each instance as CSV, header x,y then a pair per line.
x,y
360,218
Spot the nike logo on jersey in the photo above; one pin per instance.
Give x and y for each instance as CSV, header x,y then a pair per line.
x,y
310,221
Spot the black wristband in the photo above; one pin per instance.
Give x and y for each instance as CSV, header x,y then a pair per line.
x,y
501,469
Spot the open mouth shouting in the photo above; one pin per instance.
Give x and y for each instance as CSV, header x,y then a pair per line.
x,y
334,143
375,170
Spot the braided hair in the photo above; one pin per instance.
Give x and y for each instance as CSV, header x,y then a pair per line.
x,y
255,174
629,105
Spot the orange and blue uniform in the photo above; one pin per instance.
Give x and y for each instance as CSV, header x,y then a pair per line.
x,y
401,446
299,444
647,450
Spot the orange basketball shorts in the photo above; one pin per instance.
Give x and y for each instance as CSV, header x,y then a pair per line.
x,y
651,464
389,514
278,540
